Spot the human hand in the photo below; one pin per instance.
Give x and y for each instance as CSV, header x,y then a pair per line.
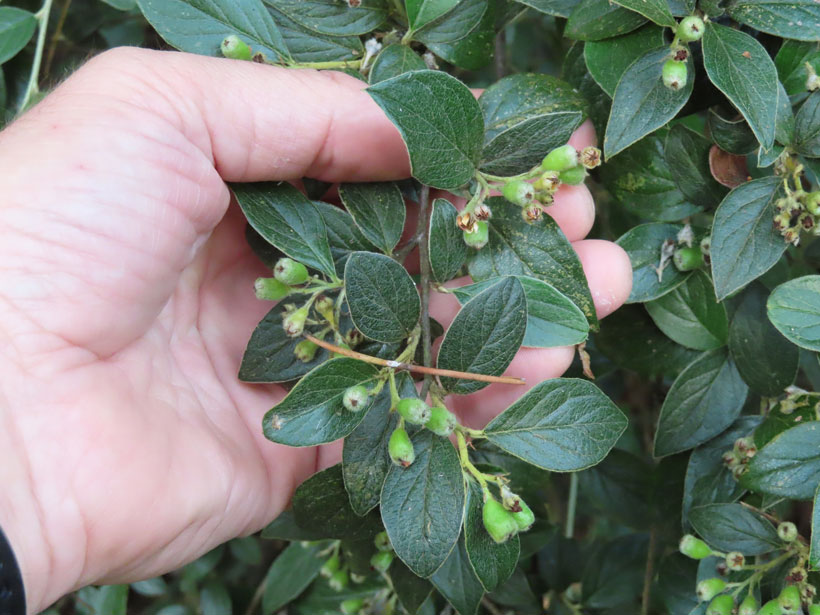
x,y
128,445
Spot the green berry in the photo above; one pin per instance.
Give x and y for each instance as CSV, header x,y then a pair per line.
x,y
524,518
498,521
674,74
548,183
709,588
478,236
382,542
235,48
442,422
294,323
339,580
787,531
772,607
690,29
721,605
560,159
413,410
748,606
381,560
735,561
574,176
687,259
812,203
355,398
401,448
694,547
291,272
324,305
305,351
789,600
351,606
519,192
331,565
270,289
590,157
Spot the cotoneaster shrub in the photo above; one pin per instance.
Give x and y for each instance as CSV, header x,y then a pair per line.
x,y
682,478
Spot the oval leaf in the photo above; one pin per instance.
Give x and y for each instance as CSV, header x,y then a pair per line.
x,y
334,18
789,465
395,60
733,527
16,29
457,581
608,59
797,19
654,10
807,127
687,155
595,20
794,308
290,574
378,210
446,247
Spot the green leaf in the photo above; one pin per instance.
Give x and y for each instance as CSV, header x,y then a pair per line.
x,y
306,45
614,572
607,60
246,549
475,50
108,599
455,25
784,414
595,20
16,29
446,247
492,563
440,122
153,587
395,60
814,545
575,71
485,335
765,359
733,136
457,581
642,103
642,182
741,68
421,12
526,116
558,8
744,244
383,300
378,210
312,412
807,127
552,319
411,589
561,425
704,400
654,10
789,465
214,599
791,64
539,250
687,155
624,478
343,236
334,17
733,527
643,246
422,505
798,19
365,460
284,527
288,220
784,118
794,308
322,599
291,572
691,315
200,26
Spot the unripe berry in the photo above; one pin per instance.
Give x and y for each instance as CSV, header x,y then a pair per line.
x,y
413,410
401,448
355,398
294,323
331,565
674,74
574,176
351,606
735,561
339,580
548,183
531,213
709,588
442,422
235,48
519,192
590,157
270,289
772,607
694,547
721,605
479,236
789,600
690,29
291,272
560,159
382,542
305,351
524,518
787,531
748,606
498,521
381,560
812,203
687,259
324,306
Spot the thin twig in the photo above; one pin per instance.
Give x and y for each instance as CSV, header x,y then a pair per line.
x,y
424,265
55,38
569,522
501,54
649,572
34,77
257,597
419,369
494,610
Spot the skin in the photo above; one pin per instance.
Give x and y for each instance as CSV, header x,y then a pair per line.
x,y
127,445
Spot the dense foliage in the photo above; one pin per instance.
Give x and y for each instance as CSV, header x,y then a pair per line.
x,y
700,420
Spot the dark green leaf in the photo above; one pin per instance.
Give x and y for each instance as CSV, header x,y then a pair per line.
x,y
454,25
334,17
440,122
284,527
16,29
383,300
422,505
446,246
733,527
654,10
214,599
306,45
614,572
687,155
574,70
643,245
395,60
789,465
322,599
290,574
152,587
807,127
765,359
676,578
200,26
624,478
343,236
561,425
733,136
798,19
595,20
475,50
485,335
526,116
785,414
312,412
457,582
794,308
552,319
741,68
744,244
559,8
288,220
108,599
378,210
642,103
784,118
691,315
517,594
538,250
492,563
704,400
421,12
607,60
791,64
411,589
246,549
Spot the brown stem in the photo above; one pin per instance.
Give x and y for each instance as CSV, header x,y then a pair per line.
x,y
649,572
55,38
424,265
419,369
501,54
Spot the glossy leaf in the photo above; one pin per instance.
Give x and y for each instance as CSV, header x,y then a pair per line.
x,y
595,20
607,60
807,127
343,236
559,8
475,50
447,249
789,465
334,17
654,10
421,12
794,309
290,574
733,136
797,19
493,563
643,245
687,155
393,61
790,62
454,25
306,45
16,29
624,478
378,210
457,581
733,527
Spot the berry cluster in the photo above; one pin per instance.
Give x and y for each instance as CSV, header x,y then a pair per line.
x,y
674,73
738,458
798,211
506,518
